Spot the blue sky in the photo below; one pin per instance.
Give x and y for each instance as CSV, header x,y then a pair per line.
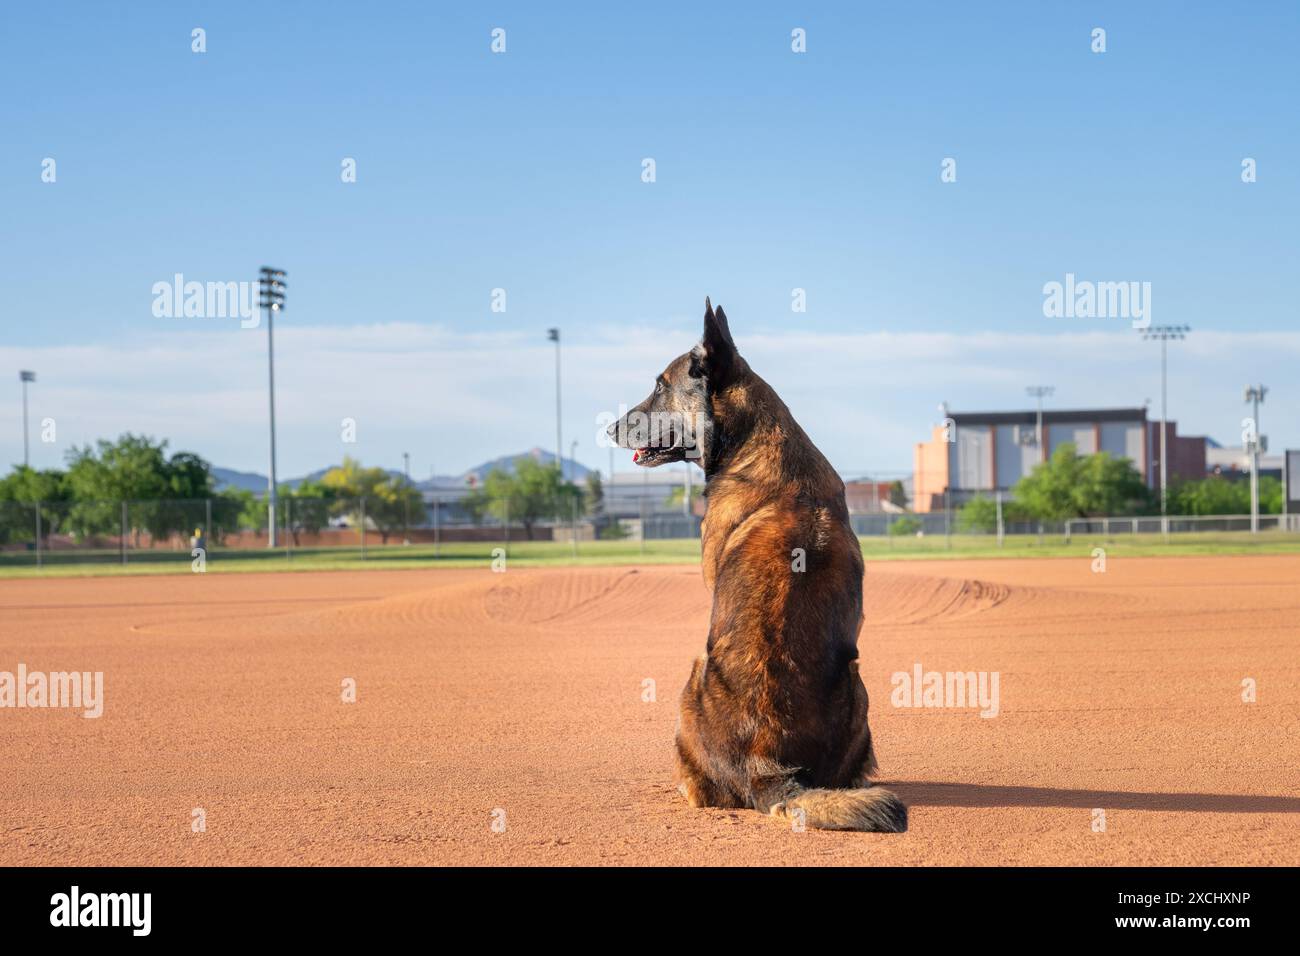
x,y
522,171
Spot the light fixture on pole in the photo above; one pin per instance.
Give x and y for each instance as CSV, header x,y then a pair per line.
x,y
272,288
1040,392
553,335
1163,334
25,376
1255,394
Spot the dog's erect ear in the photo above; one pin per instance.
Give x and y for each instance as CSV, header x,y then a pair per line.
x,y
716,353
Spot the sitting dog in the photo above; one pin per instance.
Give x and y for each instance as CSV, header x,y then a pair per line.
x,y
774,715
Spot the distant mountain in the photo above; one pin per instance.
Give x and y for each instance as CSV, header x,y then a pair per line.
x,y
243,480
251,481
572,470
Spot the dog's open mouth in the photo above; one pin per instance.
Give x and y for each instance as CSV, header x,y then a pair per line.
x,y
651,456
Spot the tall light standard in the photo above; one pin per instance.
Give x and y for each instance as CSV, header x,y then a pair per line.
x,y
688,490
573,459
1255,394
406,498
1163,334
553,335
272,289
1040,392
25,377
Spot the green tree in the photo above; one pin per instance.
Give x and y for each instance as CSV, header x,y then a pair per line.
x,y
534,492
388,498
905,524
137,470
1213,495
21,492
980,515
1216,495
188,476
235,510
188,482
1270,496
1111,486
898,494
1070,485
133,468
308,508
595,495
348,480
392,503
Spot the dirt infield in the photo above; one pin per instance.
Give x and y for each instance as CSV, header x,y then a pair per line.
x,y
517,698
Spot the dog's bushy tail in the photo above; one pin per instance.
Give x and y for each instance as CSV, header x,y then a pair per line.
x,y
874,809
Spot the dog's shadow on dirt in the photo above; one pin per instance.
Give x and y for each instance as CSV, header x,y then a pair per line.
x,y
926,794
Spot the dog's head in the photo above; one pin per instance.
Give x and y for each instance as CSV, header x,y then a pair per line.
x,y
676,422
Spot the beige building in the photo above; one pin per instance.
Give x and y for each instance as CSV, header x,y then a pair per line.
x,y
972,453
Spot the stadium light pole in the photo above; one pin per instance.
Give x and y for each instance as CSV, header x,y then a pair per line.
x,y
553,335
1040,392
1255,394
25,376
688,490
272,289
1163,334
406,498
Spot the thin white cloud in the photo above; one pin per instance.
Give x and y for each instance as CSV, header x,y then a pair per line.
x,y
453,399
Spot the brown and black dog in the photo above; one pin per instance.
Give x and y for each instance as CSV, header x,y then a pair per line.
x,y
774,715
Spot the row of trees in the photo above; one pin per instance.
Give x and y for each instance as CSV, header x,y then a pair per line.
x,y
1070,485
174,494
169,494
85,499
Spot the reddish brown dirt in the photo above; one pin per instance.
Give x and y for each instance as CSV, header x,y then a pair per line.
x,y
1119,691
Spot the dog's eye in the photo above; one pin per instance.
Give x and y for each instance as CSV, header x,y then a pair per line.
x,y
659,387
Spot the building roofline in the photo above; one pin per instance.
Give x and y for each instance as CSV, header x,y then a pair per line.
x,y
1051,416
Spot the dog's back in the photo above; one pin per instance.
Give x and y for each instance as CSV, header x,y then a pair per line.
x,y
774,715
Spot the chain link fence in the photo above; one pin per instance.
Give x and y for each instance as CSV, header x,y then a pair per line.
x,y
454,526
130,532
